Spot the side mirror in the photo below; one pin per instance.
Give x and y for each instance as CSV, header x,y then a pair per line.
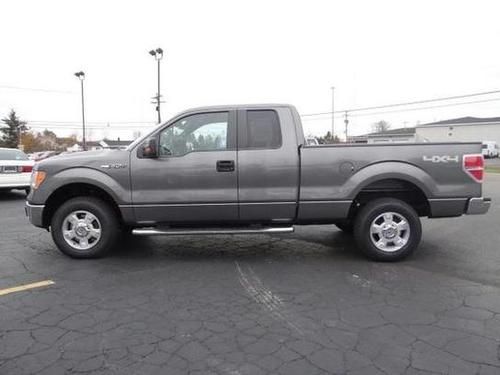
x,y
149,149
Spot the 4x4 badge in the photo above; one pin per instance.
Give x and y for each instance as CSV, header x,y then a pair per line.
x,y
442,158
113,166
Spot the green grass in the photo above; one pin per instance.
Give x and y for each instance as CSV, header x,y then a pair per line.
x,y
492,169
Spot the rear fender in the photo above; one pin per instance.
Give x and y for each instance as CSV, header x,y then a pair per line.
x,y
390,170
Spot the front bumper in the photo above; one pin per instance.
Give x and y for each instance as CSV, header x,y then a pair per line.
x,y
478,206
35,214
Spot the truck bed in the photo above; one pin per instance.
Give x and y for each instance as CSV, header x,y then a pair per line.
x,y
333,175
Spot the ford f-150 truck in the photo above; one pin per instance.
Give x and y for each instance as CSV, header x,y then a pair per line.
x,y
247,169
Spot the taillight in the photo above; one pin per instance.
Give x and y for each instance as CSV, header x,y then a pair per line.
x,y
25,169
474,166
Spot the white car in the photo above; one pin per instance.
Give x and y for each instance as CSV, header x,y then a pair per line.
x,y
490,149
15,169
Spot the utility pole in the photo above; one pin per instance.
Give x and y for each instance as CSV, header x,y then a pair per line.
x,y
346,122
158,55
19,140
333,113
81,76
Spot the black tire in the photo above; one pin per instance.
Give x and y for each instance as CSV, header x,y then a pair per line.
x,y
109,226
27,191
370,212
346,226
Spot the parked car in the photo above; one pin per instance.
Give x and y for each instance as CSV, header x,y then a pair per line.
x,y
490,149
42,155
248,169
15,169
311,140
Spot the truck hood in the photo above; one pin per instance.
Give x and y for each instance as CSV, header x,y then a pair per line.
x,y
89,159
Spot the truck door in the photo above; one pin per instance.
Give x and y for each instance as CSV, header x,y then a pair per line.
x,y
194,178
268,165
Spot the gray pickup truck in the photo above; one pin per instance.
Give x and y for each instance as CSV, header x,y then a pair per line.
x,y
247,169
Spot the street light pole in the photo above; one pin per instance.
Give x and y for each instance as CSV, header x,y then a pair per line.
x,y
333,114
346,122
158,97
158,55
81,76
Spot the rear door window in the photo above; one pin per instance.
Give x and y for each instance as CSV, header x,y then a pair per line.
x,y
262,130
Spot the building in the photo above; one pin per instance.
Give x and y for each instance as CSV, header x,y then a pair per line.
x,y
464,129
110,144
105,144
400,135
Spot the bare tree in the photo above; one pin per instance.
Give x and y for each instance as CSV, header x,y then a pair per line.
x,y
381,126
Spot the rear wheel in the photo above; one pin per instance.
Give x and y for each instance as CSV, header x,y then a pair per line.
x,y
387,229
84,227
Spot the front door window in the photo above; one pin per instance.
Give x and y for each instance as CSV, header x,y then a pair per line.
x,y
200,132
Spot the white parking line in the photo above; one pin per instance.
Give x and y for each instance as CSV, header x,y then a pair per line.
x,y
20,288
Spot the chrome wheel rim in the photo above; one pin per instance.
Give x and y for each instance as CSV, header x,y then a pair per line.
x,y
390,232
81,230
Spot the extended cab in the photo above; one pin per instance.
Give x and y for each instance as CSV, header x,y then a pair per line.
x,y
248,169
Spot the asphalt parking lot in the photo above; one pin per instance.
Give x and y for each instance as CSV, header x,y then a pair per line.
x,y
306,303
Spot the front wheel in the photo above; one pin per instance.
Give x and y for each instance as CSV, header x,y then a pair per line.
x,y
84,227
387,229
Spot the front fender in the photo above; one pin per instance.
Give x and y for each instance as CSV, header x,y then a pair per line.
x,y
390,170
117,186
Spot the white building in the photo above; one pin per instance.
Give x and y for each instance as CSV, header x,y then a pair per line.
x,y
465,129
400,135
105,144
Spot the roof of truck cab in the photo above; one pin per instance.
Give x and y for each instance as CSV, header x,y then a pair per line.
x,y
236,106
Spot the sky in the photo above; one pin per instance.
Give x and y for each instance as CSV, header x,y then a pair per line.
x,y
230,52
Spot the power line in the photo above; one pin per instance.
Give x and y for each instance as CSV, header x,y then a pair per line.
x,y
130,124
405,103
405,110
326,117
46,126
88,122
428,107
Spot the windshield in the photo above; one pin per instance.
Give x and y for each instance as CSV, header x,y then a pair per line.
x,y
12,155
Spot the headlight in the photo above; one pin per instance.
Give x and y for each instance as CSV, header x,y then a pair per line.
x,y
37,177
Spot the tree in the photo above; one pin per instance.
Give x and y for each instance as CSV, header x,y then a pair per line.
x,y
381,126
9,134
30,142
46,141
328,139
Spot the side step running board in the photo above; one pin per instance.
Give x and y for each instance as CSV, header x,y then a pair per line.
x,y
177,232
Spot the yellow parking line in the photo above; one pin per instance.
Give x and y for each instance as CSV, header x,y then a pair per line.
x,y
20,288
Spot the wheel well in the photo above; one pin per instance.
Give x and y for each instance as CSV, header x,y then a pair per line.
x,y
67,192
392,188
